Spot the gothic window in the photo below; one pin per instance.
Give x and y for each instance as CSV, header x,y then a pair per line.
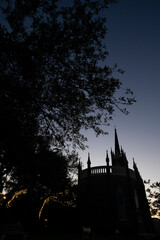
x,y
136,199
121,204
137,206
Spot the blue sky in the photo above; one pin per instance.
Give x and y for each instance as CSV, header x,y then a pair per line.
x,y
133,42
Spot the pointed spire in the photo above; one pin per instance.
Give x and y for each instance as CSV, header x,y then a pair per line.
x,y
107,161
111,151
79,170
135,166
138,176
117,148
107,158
122,150
89,161
79,166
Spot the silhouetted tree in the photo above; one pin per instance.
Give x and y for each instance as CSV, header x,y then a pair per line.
x,y
53,80
47,172
48,178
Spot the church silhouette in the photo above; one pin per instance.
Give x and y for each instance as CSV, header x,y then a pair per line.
x,y
112,198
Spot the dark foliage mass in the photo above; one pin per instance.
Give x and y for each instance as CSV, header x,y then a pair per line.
x,y
53,83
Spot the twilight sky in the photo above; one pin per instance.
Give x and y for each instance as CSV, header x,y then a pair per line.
x,y
133,42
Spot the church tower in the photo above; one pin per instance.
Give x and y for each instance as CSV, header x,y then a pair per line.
x,y
112,197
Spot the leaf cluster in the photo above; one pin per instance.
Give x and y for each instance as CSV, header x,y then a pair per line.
x,y
153,195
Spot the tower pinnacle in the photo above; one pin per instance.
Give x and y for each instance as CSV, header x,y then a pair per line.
x,y
89,161
117,148
107,158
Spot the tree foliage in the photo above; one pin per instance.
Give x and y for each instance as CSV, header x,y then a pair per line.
x,y
53,80
51,63
153,195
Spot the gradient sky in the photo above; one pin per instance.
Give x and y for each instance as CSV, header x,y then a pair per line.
x,y
133,42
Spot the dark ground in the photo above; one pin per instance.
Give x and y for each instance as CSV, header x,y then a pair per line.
x,y
76,236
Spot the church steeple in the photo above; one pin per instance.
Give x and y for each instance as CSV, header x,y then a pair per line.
x,y
118,157
117,148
